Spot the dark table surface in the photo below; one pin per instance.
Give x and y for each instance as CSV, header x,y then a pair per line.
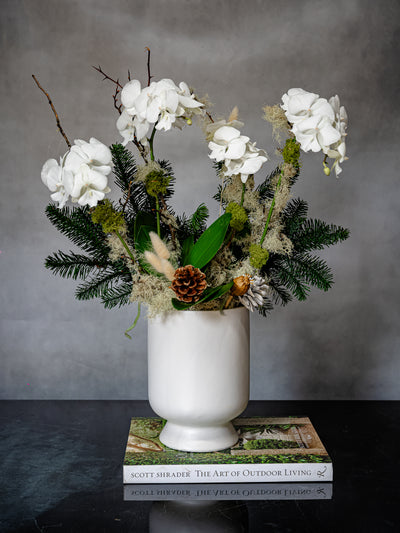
x,y
61,470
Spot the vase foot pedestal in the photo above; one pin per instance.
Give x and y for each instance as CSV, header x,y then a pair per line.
x,y
198,438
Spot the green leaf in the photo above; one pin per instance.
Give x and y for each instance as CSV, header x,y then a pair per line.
x,y
209,242
208,296
146,220
187,246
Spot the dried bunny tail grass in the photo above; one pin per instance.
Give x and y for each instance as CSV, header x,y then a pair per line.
x,y
167,269
276,116
154,261
159,246
234,114
144,170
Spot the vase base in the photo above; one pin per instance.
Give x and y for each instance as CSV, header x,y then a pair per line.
x,y
199,439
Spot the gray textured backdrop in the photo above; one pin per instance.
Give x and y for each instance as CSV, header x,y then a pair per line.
x,y
342,344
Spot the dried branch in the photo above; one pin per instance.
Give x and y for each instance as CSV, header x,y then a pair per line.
x,y
60,129
209,116
106,76
148,66
115,97
129,75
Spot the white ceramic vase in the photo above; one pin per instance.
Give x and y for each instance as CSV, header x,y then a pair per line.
x,y
198,372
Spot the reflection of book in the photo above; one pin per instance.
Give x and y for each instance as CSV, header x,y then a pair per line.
x,y
268,450
229,491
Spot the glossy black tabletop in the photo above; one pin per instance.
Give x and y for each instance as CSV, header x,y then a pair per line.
x,y
61,470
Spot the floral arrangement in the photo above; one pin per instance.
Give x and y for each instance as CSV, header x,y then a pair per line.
x,y
256,254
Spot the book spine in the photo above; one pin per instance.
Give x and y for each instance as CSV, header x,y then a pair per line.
x,y
228,473
229,491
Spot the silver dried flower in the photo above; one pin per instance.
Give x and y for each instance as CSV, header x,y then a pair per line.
x,y
256,294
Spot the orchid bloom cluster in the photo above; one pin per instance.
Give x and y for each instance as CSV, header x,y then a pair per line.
x,y
162,104
238,155
81,174
318,124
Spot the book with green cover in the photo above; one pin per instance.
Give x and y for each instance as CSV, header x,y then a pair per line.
x,y
284,449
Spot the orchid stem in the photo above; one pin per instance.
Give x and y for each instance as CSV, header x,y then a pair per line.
x,y
124,245
135,322
158,216
271,210
243,191
151,140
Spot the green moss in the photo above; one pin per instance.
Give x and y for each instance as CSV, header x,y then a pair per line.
x,y
264,444
156,183
258,255
110,219
239,215
291,152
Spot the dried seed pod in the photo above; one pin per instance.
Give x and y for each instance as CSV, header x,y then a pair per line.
x,y
241,285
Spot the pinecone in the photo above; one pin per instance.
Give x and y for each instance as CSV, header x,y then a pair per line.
x,y
256,294
188,283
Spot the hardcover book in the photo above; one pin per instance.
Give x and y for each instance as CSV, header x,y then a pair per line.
x,y
269,450
228,491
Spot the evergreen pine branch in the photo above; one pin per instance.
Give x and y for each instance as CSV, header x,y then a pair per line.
x,y
97,286
72,265
125,173
167,168
312,269
288,275
117,296
265,191
280,295
77,225
316,234
218,195
294,215
198,220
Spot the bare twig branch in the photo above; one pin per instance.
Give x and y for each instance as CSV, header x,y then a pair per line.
x,y
209,116
129,75
106,76
60,129
148,66
115,97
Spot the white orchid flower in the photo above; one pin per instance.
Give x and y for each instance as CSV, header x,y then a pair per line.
x,y
238,154
90,186
317,124
129,126
250,163
90,164
129,94
58,180
315,133
227,143
338,150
